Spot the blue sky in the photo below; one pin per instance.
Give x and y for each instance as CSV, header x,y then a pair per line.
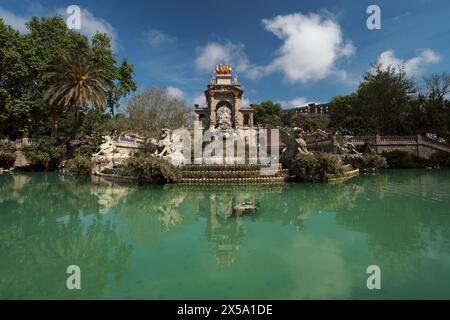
x,y
288,51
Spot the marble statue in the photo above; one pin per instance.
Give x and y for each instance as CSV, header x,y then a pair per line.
x,y
224,120
344,146
108,157
170,149
301,144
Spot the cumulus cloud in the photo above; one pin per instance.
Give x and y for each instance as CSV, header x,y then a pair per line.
x,y
15,21
312,44
413,66
226,53
157,38
174,92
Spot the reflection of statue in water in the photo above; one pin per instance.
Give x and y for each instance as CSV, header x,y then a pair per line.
x,y
168,214
109,193
226,224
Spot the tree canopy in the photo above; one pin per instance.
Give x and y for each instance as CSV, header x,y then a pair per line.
x,y
153,109
25,61
388,103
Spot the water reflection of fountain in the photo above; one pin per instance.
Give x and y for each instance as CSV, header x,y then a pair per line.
x,y
108,192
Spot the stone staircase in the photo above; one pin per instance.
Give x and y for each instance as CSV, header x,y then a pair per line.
x,y
232,174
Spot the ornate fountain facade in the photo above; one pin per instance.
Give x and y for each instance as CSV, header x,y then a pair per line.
x,y
224,100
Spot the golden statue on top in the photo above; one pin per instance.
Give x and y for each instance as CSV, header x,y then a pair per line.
x,y
223,69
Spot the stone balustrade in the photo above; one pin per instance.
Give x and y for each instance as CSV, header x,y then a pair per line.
x,y
421,146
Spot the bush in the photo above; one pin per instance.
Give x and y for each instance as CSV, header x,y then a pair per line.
x,y
151,169
80,165
441,159
374,161
46,154
316,167
402,159
7,154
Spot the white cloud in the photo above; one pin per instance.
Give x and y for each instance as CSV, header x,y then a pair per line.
x,y
90,25
156,37
312,44
413,66
174,92
226,53
15,21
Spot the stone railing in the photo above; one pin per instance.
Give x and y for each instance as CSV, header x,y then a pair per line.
x,y
422,146
24,142
436,143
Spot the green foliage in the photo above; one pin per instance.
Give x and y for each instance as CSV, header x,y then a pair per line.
x,y
151,169
374,161
316,167
441,159
385,96
25,59
385,104
7,154
80,165
403,159
380,105
268,112
76,82
46,154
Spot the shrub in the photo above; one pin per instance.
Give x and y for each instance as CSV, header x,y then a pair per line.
x,y
46,154
402,159
316,167
7,154
374,161
148,148
80,165
151,169
441,159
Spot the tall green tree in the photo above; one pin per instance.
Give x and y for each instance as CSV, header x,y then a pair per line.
x,y
381,105
76,83
25,59
385,97
268,112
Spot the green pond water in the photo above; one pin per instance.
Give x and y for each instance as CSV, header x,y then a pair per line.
x,y
303,241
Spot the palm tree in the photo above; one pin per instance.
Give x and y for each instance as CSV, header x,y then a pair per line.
x,y
76,83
